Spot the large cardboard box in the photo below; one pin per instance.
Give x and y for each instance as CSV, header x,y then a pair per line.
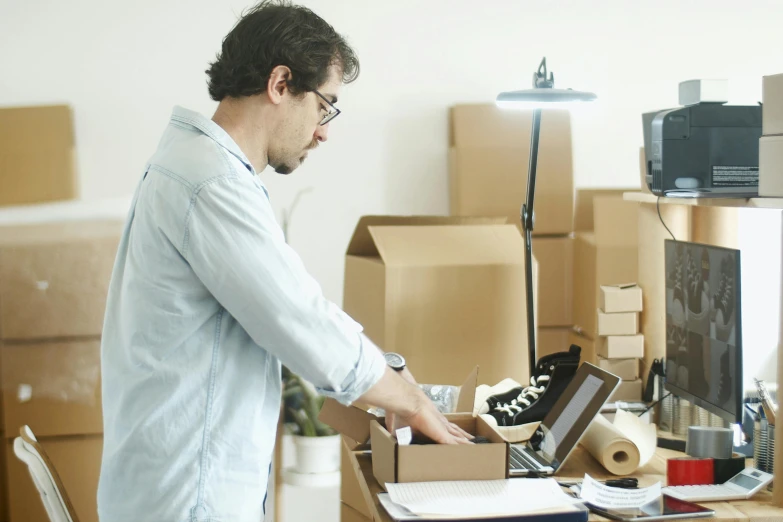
x,y
37,155
446,293
552,340
772,106
54,278
584,206
555,256
488,165
77,461
53,387
771,166
586,344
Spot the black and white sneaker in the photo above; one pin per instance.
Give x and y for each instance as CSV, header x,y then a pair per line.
x,y
510,411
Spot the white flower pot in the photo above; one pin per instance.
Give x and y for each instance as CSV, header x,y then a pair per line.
x,y
317,454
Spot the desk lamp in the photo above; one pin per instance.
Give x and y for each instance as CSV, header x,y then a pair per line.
x,y
543,94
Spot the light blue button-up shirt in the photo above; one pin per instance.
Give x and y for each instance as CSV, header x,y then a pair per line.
x,y
206,300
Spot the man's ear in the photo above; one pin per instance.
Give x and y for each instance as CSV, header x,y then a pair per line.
x,y
277,85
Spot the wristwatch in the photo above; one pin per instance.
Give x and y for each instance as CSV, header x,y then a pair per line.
x,y
395,361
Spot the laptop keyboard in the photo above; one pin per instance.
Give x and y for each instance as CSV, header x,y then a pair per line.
x,y
521,460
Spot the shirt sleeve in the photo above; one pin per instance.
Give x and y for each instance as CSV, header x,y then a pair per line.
x,y
236,248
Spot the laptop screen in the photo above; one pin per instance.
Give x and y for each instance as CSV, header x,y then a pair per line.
x,y
573,412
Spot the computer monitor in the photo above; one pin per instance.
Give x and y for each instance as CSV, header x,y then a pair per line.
x,y
704,327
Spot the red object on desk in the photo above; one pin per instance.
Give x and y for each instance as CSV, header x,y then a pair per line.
x,y
689,471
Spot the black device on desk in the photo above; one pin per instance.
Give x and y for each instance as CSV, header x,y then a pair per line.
x,y
664,508
703,150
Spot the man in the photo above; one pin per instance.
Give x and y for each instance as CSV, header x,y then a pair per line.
x,y
206,299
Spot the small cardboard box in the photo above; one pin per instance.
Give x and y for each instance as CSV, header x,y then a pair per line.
x,y
555,256
424,463
621,298
772,105
628,391
621,346
626,323
625,369
771,166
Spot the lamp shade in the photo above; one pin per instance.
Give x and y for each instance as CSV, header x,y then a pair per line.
x,y
542,97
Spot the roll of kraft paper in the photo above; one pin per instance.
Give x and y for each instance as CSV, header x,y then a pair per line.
x,y
711,443
689,471
616,452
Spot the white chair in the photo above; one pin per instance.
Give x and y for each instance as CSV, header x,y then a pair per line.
x,y
56,502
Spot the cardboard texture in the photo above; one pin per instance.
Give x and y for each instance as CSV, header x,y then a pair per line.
x,y
555,256
77,461
441,289
625,369
37,155
440,462
626,323
596,265
772,105
621,298
586,344
771,166
616,221
4,517
629,391
584,205
349,514
54,279
488,162
552,340
621,346
53,387
350,491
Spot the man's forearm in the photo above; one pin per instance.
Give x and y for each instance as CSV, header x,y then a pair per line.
x,y
394,394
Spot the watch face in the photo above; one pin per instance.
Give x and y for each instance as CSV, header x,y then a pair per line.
x,y
394,360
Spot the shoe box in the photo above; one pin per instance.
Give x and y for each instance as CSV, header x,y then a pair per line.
x,y
395,462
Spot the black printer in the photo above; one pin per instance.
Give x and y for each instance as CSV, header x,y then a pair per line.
x,y
703,150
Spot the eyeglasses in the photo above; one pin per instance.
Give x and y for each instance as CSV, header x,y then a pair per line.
x,y
331,113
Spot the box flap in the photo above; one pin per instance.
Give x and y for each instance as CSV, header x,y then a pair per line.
x,y
350,421
384,454
362,244
622,286
467,392
449,245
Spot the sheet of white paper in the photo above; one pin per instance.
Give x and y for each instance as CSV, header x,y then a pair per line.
x,y
608,497
479,497
643,434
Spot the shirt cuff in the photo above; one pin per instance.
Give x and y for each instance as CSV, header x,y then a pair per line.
x,y
365,374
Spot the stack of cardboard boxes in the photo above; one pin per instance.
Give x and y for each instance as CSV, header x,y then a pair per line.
x,y
771,142
620,345
488,170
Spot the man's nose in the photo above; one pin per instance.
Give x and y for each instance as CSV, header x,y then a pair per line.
x,y
322,133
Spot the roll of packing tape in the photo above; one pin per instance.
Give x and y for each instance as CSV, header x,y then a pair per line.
x,y
727,468
618,454
688,471
710,443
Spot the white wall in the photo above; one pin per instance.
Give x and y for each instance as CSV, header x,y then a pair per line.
x,y
123,65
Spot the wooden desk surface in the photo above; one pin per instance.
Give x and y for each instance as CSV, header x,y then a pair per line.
x,y
580,462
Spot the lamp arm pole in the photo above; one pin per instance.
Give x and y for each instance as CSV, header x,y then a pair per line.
x,y
528,221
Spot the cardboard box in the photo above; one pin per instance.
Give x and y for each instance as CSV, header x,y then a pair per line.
x,y
552,340
488,165
77,461
586,344
628,391
348,514
584,206
446,293
4,517
350,491
626,323
772,106
616,221
621,298
37,155
54,278
643,172
596,265
625,369
555,257
621,346
771,166
53,387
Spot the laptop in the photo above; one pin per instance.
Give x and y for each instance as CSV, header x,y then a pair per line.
x,y
564,425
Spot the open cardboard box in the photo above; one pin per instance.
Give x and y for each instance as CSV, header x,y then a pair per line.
x,y
424,463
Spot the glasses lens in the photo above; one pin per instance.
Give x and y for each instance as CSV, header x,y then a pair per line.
x,y
329,117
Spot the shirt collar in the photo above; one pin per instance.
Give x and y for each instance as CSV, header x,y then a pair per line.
x,y
211,129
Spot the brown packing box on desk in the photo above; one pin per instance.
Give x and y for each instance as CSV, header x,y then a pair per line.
x,y
621,298
771,166
584,206
621,346
53,387
446,293
77,461
625,369
626,323
54,278
37,155
488,162
628,391
772,105
555,256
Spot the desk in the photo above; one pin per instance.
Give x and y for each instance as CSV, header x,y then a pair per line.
x,y
580,462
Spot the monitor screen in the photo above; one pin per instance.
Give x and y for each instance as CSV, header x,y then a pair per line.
x,y
703,327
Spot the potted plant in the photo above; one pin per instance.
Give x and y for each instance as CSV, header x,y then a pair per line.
x,y
317,445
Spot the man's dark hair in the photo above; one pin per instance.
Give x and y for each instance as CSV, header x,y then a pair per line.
x,y
279,33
